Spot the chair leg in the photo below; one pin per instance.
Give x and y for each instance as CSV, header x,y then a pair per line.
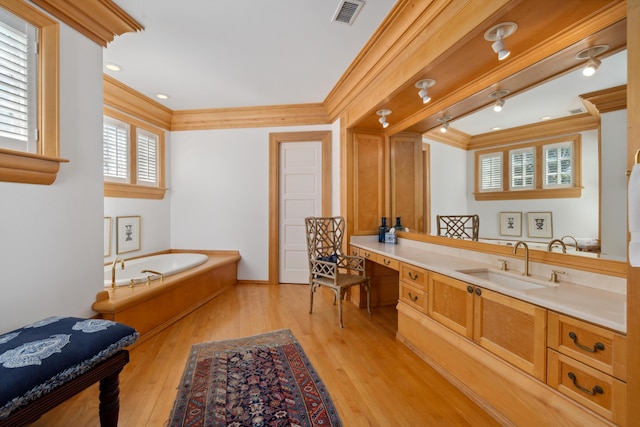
x,y
340,311
368,286
311,299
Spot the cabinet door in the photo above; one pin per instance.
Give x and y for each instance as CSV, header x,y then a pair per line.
x,y
451,303
512,329
407,179
368,182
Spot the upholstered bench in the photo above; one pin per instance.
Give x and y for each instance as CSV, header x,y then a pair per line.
x,y
45,363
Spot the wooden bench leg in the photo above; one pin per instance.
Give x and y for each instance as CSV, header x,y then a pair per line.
x,y
110,400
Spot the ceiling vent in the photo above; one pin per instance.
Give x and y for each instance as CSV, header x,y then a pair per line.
x,y
578,110
348,11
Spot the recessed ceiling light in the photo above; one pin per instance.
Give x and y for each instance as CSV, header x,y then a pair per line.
x,y
545,118
112,67
496,128
162,96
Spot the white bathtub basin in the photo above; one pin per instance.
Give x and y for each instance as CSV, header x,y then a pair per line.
x,y
166,264
506,279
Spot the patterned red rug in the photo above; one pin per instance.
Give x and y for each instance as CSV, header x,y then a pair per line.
x,y
263,380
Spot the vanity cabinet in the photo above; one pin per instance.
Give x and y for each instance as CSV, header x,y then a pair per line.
x,y
383,273
587,363
413,286
509,328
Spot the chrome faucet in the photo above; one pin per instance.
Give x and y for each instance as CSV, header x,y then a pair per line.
x,y
113,270
575,242
526,256
554,241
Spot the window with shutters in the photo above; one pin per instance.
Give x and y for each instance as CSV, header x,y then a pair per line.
x,y
29,136
133,157
536,170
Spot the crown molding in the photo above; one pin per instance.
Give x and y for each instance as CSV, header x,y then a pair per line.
x,y
605,100
99,20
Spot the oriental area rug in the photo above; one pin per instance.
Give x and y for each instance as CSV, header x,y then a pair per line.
x,y
262,380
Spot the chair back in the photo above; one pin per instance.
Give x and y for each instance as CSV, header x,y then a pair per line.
x,y
324,237
459,226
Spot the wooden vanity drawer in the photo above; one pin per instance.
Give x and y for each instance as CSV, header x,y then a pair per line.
x,y
595,346
354,251
371,256
598,391
413,296
391,263
416,276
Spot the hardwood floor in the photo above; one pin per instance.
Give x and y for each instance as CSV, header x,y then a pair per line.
x,y
373,379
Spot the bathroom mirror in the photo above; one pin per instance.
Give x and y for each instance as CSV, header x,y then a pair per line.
x,y
452,169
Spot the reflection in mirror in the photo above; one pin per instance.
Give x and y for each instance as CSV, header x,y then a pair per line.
x,y
598,230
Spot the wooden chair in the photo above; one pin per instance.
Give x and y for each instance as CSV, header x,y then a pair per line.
x,y
328,266
459,226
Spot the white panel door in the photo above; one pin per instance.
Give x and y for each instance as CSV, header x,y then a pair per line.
x,y
300,197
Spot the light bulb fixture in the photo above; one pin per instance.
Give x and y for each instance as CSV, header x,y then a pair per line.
x,y
590,55
498,95
162,96
383,117
445,123
423,85
497,34
112,67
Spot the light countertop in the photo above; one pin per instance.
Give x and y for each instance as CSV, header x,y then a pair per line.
x,y
597,306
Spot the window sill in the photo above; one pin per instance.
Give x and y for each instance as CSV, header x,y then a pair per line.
x,y
558,193
28,168
116,189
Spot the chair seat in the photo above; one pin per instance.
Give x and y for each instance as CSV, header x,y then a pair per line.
x,y
343,281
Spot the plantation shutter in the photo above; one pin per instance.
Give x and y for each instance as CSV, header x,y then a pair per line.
x,y
491,172
522,169
115,146
147,158
558,165
18,83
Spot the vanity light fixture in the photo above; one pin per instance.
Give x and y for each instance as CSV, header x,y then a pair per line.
x,y
497,34
590,55
445,123
423,85
498,95
383,117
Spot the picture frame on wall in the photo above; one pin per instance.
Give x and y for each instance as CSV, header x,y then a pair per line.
x,y
127,234
540,224
511,224
107,236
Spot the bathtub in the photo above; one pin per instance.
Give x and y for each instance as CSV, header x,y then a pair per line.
x,y
166,264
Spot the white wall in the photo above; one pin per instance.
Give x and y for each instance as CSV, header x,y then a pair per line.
x,y
51,235
220,193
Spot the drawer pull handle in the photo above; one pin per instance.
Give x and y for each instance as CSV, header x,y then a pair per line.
x,y
470,289
412,298
386,261
367,255
596,389
412,276
597,346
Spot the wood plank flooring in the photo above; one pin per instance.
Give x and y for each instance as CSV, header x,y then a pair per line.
x,y
373,379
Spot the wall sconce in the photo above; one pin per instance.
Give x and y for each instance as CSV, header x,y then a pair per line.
x,y
423,85
592,62
383,117
497,34
498,95
445,123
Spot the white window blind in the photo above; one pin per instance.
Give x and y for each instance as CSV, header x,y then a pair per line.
x,y
558,165
522,169
18,83
147,158
115,146
491,172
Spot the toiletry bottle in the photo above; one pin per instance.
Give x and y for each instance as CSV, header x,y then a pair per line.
x,y
398,226
382,229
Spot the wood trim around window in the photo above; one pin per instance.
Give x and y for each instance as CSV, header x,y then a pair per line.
x,y
40,168
538,193
133,190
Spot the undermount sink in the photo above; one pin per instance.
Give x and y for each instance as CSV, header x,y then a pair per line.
x,y
507,280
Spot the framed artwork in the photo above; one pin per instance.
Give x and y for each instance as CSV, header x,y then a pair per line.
x,y
539,224
107,236
128,234
511,224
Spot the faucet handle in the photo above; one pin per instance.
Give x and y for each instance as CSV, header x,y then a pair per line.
x,y
503,266
554,275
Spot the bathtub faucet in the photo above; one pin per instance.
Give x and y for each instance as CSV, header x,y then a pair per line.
x,y
113,271
153,272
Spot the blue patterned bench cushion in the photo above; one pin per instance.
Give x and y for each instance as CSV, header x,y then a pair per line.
x,y
44,355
